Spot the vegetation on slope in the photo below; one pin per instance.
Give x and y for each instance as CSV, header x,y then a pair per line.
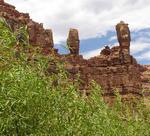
x,y
31,104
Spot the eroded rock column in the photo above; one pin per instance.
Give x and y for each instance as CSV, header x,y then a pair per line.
x,y
73,42
123,35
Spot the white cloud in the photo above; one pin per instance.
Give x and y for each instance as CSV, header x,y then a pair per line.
x,y
144,56
92,53
138,46
141,49
113,38
91,17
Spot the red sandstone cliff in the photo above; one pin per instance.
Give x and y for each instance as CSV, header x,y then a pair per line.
x,y
38,36
113,69
146,80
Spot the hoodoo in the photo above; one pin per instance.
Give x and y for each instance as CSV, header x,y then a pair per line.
x,y
73,42
123,34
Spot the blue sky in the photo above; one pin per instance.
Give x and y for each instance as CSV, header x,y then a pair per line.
x,y
95,20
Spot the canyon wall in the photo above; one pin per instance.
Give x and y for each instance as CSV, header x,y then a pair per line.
x,y
38,36
145,76
113,69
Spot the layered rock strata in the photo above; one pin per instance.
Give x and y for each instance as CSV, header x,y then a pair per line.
x,y
114,68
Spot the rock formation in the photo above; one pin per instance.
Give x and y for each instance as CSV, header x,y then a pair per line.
x,y
73,42
113,69
145,76
38,35
123,35
1,1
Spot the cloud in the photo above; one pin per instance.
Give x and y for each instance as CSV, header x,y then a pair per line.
x,y
141,51
144,56
92,53
113,38
92,17
139,47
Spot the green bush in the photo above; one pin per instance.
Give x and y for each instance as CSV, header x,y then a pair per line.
x,y
30,103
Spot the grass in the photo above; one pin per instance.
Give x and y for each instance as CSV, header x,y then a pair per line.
x,y
30,103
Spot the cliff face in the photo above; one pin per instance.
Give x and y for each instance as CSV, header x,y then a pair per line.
x,y
38,35
146,80
113,69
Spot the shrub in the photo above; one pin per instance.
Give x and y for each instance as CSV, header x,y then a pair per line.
x,y
31,105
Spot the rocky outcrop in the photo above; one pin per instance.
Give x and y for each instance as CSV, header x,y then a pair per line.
x,y
38,36
113,69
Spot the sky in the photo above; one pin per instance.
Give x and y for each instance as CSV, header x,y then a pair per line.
x,y
95,20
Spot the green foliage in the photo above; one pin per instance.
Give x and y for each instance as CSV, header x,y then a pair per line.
x,y
7,37
22,36
31,104
10,38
